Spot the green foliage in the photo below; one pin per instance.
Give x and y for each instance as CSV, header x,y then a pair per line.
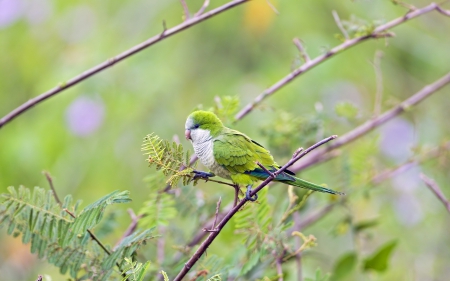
x,y
168,157
363,225
319,276
164,274
61,238
215,266
357,27
287,132
379,260
346,109
344,266
158,210
133,270
225,108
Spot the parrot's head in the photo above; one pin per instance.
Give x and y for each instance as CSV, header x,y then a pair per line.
x,y
202,126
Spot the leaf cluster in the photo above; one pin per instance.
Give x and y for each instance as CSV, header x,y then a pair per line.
x,y
168,157
60,234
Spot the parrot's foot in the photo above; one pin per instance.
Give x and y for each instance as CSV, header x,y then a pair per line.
x,y
247,194
202,175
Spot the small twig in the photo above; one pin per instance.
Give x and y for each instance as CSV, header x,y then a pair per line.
x,y
405,5
297,151
271,175
186,10
236,195
434,187
339,24
278,262
301,49
202,9
379,82
50,182
213,227
272,7
204,246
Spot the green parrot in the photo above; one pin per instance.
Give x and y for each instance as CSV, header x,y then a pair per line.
x,y
232,155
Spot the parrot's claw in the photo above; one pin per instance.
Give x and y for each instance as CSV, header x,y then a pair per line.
x,y
202,175
247,194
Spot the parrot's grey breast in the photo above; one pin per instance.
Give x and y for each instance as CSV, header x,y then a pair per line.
x,y
205,152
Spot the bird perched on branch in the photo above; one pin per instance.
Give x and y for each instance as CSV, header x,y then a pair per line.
x,y
232,155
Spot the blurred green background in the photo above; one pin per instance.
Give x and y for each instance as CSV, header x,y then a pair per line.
x,y
89,137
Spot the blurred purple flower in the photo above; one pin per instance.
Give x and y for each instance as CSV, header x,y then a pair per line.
x,y
397,138
10,11
85,115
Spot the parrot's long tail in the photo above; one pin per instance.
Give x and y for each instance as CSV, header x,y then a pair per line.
x,y
309,185
287,177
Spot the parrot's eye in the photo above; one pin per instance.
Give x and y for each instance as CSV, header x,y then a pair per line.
x,y
196,126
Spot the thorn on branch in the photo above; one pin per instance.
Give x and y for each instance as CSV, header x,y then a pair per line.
x,y
340,26
163,33
297,152
301,49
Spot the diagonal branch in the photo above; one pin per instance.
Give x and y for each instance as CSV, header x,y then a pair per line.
x,y
432,185
110,62
369,125
380,31
212,236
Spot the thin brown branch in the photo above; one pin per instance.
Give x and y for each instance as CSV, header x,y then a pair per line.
x,y
434,187
380,31
52,187
272,7
379,82
278,262
339,25
369,125
110,62
213,227
187,15
91,234
202,9
204,246
131,228
314,217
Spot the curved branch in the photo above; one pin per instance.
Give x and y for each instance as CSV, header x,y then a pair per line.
x,y
380,31
110,62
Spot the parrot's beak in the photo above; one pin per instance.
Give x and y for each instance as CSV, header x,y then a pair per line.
x,y
187,134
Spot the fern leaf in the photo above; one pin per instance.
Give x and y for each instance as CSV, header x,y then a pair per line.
x,y
167,157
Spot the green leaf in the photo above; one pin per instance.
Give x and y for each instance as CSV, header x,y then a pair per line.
x,y
344,266
346,110
362,225
379,260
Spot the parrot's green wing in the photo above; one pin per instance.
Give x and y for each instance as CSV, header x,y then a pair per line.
x,y
238,153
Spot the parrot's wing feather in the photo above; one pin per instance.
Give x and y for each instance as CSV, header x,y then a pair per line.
x,y
238,153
